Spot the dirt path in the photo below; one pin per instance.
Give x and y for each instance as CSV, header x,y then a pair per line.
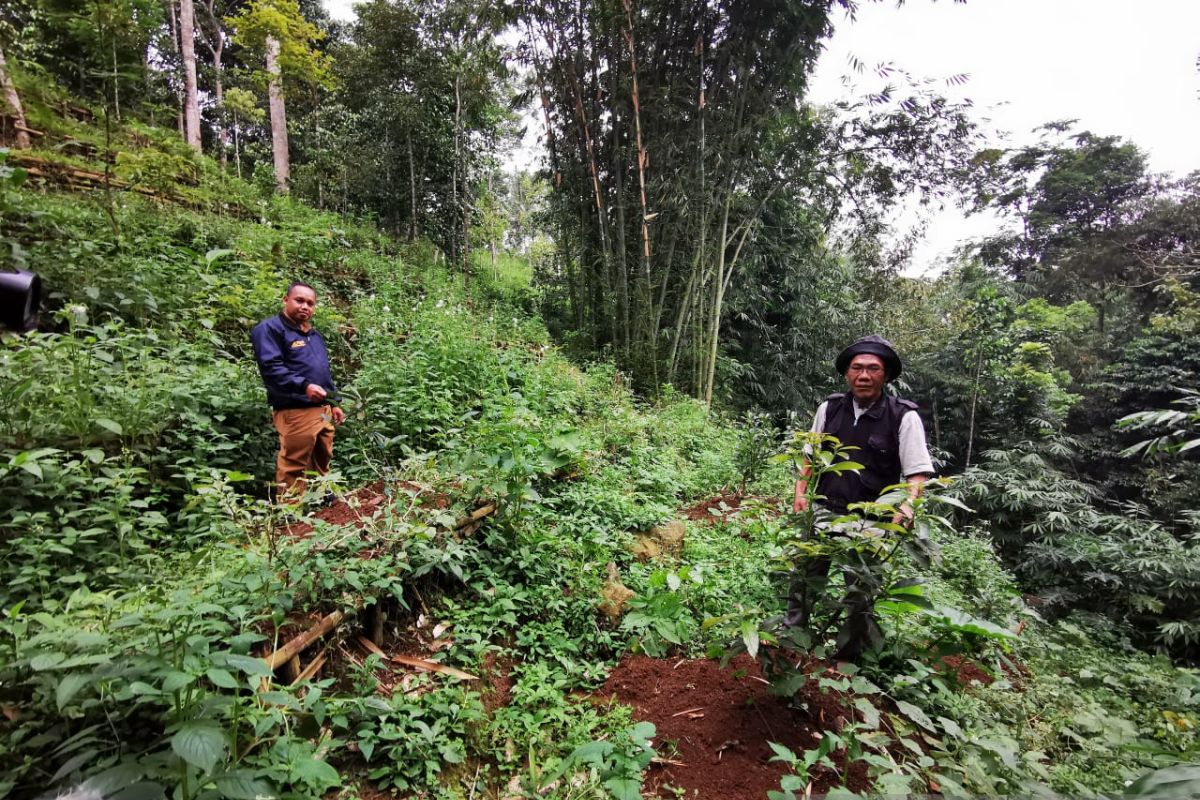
x,y
714,725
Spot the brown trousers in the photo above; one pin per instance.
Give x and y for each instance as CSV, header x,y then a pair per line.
x,y
305,445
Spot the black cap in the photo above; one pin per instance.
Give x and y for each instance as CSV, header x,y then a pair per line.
x,y
871,345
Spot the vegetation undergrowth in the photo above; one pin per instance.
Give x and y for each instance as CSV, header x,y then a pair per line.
x,y
144,573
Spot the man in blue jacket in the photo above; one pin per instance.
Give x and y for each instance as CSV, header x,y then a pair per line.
x,y
294,364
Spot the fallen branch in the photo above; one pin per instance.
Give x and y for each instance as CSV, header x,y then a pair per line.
x,y
418,663
301,642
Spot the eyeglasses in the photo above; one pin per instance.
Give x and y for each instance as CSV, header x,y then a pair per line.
x,y
870,369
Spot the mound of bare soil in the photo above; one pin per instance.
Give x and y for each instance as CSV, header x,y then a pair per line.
x,y
725,506
714,725
362,505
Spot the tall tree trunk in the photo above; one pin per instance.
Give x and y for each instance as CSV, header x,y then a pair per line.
x,y
642,290
279,137
116,80
216,48
179,124
191,98
237,150
456,242
681,317
13,101
412,188
974,402
491,237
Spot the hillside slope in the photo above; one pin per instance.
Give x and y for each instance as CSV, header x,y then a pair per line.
x,y
145,577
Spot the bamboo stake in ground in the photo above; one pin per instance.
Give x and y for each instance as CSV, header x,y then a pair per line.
x,y
301,642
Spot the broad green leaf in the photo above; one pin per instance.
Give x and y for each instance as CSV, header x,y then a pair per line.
x,y
870,713
750,637
624,788
69,686
951,727
642,732
1004,747
109,425
793,783
32,467
221,678
250,665
46,661
213,255
951,501
177,680
781,753
842,793
1180,781
143,790
243,784
74,763
200,743
316,772
916,715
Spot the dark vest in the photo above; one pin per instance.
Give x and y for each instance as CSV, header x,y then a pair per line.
x,y
877,437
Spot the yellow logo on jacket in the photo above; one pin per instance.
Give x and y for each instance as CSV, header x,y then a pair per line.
x,y
298,344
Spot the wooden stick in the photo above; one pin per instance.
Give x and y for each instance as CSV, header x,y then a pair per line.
x,y
475,516
418,663
688,711
313,668
301,642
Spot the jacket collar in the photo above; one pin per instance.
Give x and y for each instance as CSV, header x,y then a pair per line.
x,y
287,321
874,411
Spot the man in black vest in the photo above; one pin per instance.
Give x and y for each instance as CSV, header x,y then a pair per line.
x,y
891,447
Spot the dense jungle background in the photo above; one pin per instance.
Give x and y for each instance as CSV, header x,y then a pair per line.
x,y
574,395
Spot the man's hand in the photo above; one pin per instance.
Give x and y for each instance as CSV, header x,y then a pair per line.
x,y
315,393
904,516
800,501
338,415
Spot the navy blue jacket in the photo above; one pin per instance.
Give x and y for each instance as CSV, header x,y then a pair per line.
x,y
289,359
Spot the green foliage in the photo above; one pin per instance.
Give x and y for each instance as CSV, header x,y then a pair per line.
x,y
299,60
145,574
1075,553
618,764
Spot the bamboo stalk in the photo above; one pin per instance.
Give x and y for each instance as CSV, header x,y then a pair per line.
x,y
418,663
301,642
475,516
313,668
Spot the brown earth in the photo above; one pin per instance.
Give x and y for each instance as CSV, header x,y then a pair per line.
x,y
727,505
363,505
967,672
714,724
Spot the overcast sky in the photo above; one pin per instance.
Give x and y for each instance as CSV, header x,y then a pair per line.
x,y
1120,67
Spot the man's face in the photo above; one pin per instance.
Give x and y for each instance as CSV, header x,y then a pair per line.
x,y
865,376
299,304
